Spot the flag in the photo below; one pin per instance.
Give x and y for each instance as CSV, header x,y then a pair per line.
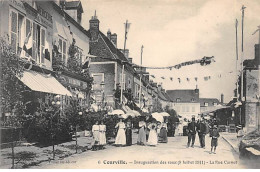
x,y
152,76
179,80
171,78
86,63
196,79
162,77
206,78
188,79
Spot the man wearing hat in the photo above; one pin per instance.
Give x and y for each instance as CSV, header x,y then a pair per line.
x,y
201,128
191,132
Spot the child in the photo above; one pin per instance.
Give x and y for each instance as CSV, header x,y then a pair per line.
x,y
214,140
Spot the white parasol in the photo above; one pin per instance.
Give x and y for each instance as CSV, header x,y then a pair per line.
x,y
117,112
157,116
164,114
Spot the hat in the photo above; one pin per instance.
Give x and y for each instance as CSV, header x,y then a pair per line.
x,y
240,126
193,116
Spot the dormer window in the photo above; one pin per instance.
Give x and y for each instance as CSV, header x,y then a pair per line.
x,y
192,100
178,100
206,104
215,104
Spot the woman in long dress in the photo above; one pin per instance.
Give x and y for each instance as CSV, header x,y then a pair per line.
x,y
102,135
180,129
120,137
152,139
128,133
163,134
95,131
141,140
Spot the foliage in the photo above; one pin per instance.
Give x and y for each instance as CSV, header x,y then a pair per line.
x,y
12,89
157,105
74,63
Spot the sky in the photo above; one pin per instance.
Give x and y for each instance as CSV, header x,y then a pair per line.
x,y
175,31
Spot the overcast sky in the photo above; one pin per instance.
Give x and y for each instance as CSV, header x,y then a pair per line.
x,y
175,31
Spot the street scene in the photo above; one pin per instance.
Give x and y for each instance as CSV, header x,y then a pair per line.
x,y
129,84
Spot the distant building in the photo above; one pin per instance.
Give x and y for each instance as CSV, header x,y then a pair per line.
x,y
185,102
209,104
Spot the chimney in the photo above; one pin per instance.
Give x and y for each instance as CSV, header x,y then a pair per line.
x,y
114,39
222,98
94,27
130,59
196,90
257,54
126,53
109,34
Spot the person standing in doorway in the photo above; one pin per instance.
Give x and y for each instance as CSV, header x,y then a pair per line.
x,y
201,129
191,132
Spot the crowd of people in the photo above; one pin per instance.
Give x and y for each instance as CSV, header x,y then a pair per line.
x,y
152,132
149,133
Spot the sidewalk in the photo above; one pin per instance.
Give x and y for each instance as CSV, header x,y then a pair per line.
x,y
231,139
29,155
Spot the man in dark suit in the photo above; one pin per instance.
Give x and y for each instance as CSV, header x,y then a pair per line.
x,y
191,132
201,129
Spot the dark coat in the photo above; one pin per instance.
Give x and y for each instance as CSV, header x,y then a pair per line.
x,y
192,127
201,128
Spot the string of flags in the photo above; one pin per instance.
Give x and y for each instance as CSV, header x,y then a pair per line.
x,y
203,62
190,79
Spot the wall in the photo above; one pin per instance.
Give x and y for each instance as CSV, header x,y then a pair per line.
x,y
185,109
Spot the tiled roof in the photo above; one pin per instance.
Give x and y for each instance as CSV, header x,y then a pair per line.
x,y
185,96
210,101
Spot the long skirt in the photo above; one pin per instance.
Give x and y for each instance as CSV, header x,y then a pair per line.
x,y
120,138
96,137
141,137
163,136
102,138
128,137
152,140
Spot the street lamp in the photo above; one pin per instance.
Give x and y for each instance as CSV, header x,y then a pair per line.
x,y
55,102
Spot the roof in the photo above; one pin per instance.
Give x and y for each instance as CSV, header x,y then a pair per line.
x,y
184,96
210,101
73,5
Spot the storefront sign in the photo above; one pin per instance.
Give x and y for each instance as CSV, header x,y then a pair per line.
x,y
73,82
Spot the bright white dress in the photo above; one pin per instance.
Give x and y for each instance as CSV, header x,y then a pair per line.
x,y
180,129
102,134
95,131
120,138
152,139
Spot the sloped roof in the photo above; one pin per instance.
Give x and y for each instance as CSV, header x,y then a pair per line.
x,y
73,5
210,101
185,96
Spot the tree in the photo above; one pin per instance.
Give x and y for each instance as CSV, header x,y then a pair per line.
x,y
12,89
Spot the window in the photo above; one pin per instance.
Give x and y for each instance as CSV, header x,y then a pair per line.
x,y
206,104
98,78
192,100
187,109
120,81
15,30
63,49
183,108
178,100
215,104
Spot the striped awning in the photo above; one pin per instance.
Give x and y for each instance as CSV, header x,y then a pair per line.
x,y
43,83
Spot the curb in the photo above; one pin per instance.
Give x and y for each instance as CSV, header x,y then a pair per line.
x,y
237,151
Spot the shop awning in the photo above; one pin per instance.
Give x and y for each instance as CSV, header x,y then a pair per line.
x,y
43,83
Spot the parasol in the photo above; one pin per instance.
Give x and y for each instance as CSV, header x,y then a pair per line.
x,y
157,116
117,112
133,113
164,114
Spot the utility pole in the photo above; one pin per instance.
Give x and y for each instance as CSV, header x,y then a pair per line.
x,y
140,90
236,62
242,55
127,26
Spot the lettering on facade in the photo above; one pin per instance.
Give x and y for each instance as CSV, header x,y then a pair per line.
x,y
17,4
72,81
44,13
